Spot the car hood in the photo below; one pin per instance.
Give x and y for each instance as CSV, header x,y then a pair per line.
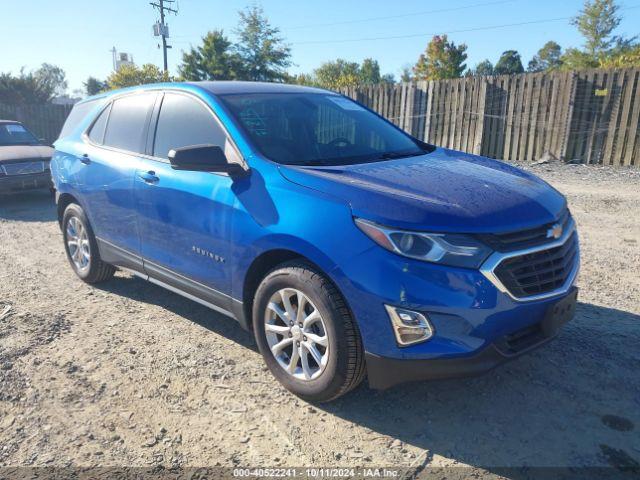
x,y
443,191
12,153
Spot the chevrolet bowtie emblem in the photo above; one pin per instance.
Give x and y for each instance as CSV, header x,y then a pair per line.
x,y
555,231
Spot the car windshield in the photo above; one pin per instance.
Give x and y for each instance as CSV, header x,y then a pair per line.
x,y
317,129
16,134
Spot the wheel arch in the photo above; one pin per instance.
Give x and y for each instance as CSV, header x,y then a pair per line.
x,y
263,264
64,200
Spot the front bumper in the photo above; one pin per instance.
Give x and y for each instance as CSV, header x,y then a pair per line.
x,y
384,372
16,183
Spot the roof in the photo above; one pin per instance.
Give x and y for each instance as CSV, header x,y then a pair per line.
x,y
216,88
231,87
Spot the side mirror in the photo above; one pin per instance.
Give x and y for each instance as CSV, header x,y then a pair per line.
x,y
202,158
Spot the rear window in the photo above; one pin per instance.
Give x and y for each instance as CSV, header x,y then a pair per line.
x,y
76,116
16,134
127,120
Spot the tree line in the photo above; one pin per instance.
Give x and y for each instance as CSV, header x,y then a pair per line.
x,y
260,53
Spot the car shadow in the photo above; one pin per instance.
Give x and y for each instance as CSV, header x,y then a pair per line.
x,y
560,405
138,289
31,206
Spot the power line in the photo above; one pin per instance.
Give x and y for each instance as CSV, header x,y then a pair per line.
x,y
161,29
404,15
426,34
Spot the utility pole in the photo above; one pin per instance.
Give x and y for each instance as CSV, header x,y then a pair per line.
x,y
113,57
161,29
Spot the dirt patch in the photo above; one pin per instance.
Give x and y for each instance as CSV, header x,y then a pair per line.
x,y
129,374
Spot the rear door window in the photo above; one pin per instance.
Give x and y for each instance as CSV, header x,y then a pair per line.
x,y
128,120
183,122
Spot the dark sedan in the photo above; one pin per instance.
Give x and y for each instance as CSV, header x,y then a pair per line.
x,y
24,160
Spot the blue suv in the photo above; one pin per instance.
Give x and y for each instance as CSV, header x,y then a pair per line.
x,y
348,247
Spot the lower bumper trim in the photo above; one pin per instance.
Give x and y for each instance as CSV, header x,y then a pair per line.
x,y
385,372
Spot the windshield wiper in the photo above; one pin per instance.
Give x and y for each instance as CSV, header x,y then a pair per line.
x,y
395,155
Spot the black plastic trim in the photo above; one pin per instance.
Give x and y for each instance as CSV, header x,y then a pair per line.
x,y
187,285
114,255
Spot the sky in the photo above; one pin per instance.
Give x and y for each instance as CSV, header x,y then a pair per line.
x,y
78,35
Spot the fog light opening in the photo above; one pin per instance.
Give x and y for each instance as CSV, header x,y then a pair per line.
x,y
409,327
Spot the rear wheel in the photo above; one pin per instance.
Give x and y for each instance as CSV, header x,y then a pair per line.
x,y
306,333
81,247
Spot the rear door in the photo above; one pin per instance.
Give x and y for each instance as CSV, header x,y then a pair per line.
x,y
184,216
112,148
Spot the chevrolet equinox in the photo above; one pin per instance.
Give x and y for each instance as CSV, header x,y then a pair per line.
x,y
347,246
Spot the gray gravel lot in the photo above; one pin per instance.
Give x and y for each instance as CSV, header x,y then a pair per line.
x,y
130,374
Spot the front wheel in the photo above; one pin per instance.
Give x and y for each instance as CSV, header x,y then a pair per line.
x,y
306,333
82,248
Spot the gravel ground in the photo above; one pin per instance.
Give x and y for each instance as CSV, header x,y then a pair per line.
x,y
128,374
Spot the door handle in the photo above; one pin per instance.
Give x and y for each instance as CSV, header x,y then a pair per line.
x,y
149,177
85,159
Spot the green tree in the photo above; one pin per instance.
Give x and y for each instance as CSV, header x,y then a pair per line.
x,y
213,60
337,74
483,69
388,78
575,59
442,59
33,87
509,63
93,86
341,73
626,59
261,49
53,78
406,75
370,71
22,89
131,75
596,22
302,79
549,57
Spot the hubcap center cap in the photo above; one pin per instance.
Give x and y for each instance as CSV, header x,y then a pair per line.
x,y
296,332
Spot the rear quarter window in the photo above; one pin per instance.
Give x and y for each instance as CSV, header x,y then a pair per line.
x,y
96,134
76,116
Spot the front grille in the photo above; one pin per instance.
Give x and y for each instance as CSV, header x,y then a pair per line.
x,y
23,168
522,239
540,272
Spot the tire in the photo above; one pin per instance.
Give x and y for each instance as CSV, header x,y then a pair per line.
x,y
92,269
344,366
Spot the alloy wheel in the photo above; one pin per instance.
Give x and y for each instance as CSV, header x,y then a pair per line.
x,y
78,244
296,334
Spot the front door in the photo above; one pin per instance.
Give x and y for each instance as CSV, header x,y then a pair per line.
x,y
184,217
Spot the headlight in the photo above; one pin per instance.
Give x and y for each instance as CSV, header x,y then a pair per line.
x,y
444,248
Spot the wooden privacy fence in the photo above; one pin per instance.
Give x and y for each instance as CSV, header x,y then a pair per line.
x,y
590,116
44,120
